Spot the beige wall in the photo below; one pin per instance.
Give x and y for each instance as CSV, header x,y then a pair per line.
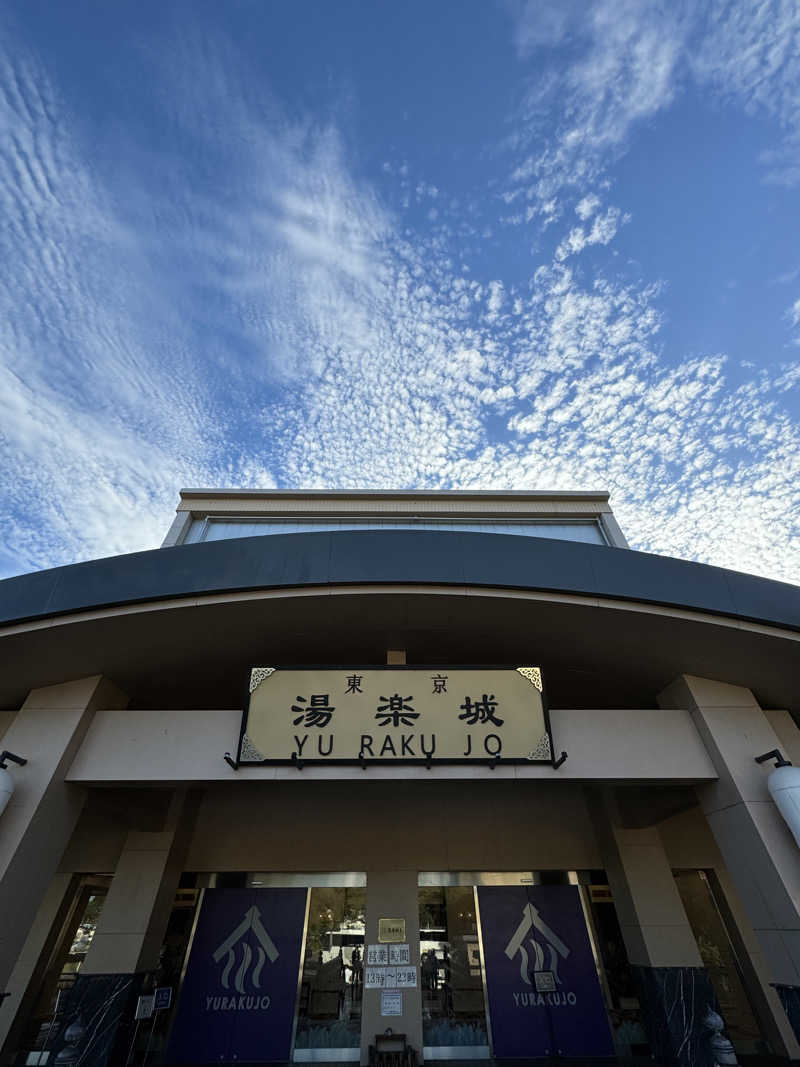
x,y
429,826
128,747
96,844
306,825
688,841
452,505
6,718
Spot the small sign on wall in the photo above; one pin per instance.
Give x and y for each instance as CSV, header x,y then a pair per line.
x,y
163,998
391,930
391,1002
144,1006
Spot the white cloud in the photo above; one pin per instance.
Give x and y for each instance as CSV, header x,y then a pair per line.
x,y
602,231
627,61
623,71
793,316
587,206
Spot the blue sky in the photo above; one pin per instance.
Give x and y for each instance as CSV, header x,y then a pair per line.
x,y
458,244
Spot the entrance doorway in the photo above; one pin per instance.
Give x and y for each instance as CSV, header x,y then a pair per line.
x,y
274,972
451,974
328,1024
508,969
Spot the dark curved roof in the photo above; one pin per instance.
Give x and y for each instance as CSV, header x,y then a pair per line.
x,y
355,557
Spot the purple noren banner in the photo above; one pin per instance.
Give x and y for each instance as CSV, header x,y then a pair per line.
x,y
238,997
541,930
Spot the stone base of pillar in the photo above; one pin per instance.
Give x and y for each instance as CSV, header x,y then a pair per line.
x,y
98,1022
675,1001
790,998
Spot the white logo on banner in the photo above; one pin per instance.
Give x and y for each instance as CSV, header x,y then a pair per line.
x,y
531,919
265,950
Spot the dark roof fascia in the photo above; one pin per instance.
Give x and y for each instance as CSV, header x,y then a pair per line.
x,y
414,557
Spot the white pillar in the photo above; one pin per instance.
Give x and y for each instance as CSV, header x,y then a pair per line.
x,y
392,895
136,911
38,822
28,960
757,846
674,988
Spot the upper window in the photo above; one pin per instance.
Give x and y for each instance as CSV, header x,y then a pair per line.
x,y
212,528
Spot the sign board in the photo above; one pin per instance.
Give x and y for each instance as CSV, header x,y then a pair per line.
x,y
385,714
144,1006
391,1002
391,930
163,997
238,996
399,954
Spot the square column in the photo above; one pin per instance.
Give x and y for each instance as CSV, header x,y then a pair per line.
x,y
14,1008
98,1014
757,846
41,816
392,895
674,988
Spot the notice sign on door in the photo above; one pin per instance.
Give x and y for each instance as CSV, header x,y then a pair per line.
x,y
380,714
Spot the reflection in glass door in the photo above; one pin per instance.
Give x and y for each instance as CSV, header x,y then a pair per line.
x,y
721,962
451,974
68,953
331,983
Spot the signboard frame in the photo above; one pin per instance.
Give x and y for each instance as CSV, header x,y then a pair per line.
x,y
245,759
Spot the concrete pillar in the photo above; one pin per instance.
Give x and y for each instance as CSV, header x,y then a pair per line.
x,y
128,937
30,961
392,895
137,909
39,820
674,989
757,846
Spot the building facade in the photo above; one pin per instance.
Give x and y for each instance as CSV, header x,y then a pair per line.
x,y
462,767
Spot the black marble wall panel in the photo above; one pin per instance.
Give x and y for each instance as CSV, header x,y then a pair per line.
x,y
681,1015
97,1024
790,998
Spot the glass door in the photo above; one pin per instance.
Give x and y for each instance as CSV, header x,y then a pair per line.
x,y
454,1022
332,978
721,961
